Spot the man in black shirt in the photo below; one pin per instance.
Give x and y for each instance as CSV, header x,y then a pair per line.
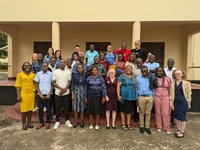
x,y
141,52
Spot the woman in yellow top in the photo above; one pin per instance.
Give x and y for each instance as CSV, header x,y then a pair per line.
x,y
26,94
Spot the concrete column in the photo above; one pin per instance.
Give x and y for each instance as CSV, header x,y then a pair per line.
x,y
136,32
190,57
10,57
56,35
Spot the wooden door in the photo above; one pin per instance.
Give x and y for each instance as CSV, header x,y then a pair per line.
x,y
42,47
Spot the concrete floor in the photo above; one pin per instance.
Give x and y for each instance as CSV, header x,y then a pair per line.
x,y
13,138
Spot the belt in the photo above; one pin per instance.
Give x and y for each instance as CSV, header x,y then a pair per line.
x,y
144,95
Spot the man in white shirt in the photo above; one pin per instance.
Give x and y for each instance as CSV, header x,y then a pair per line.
x,y
169,70
61,81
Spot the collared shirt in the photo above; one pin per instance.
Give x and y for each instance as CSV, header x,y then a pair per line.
x,y
152,66
90,57
137,71
126,53
37,67
169,72
52,69
45,81
143,86
74,69
61,77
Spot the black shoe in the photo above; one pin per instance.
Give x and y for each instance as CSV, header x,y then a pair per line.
x,y
114,127
141,130
82,125
173,123
75,125
148,131
136,119
108,127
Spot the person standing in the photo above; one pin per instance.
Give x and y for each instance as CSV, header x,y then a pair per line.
x,y
58,57
126,92
152,65
110,56
26,94
137,69
141,52
131,60
50,53
76,50
34,58
111,97
126,52
120,64
145,101
180,100
95,94
81,61
103,61
37,66
68,65
169,70
77,88
44,86
90,54
161,101
75,59
61,80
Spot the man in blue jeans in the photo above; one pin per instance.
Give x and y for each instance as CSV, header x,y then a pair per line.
x,y
44,86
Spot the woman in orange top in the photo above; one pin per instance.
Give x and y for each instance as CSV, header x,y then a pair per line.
x,y
26,94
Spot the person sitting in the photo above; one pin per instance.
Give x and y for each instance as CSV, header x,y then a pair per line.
x,y
152,65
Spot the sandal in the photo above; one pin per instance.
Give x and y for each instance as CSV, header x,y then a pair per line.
x,y
129,127
24,127
75,125
159,130
124,127
177,133
177,136
30,126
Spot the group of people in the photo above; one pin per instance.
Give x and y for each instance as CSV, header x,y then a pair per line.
x,y
128,81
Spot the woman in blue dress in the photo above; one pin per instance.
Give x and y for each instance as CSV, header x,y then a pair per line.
x,y
50,54
180,100
126,91
58,57
77,87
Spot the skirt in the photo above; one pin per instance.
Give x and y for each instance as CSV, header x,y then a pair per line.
x,y
94,105
126,107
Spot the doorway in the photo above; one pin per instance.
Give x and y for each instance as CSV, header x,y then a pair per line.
x,y
42,47
99,46
157,49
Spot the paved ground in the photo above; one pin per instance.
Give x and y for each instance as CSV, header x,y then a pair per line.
x,y
3,76
12,137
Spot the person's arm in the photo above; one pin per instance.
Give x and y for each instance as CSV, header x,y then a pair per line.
x,y
72,87
103,85
147,54
86,57
85,90
54,81
154,70
118,91
189,94
171,96
38,90
18,87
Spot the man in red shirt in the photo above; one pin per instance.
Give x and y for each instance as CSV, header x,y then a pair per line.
x,y
125,51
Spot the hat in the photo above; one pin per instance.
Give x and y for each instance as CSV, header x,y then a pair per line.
x,y
112,67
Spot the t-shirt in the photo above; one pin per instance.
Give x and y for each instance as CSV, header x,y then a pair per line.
x,y
141,53
125,52
61,77
169,72
111,58
152,66
90,57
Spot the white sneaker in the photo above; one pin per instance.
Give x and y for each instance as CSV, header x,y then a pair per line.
x,y
68,123
36,109
97,127
56,125
45,109
91,127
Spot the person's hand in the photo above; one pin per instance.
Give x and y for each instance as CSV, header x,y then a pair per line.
x,y
19,99
41,96
189,105
48,96
149,54
119,98
107,99
86,100
61,93
103,100
73,97
63,90
172,106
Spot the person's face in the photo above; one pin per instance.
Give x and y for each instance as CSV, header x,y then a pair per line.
x,y
80,69
137,44
58,54
92,47
27,67
120,57
77,49
44,67
62,64
152,58
131,58
144,72
53,62
50,51
128,70
124,46
35,57
159,72
178,75
94,71
68,63
75,57
40,57
109,48
102,56
112,73
139,63
81,59
96,60
170,63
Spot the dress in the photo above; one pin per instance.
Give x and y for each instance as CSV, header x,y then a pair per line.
x,y
78,84
111,93
180,103
27,92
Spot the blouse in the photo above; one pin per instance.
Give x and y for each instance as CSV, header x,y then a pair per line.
x,y
78,80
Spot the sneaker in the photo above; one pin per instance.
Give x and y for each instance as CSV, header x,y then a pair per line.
x,y
45,109
159,130
56,125
168,132
68,123
91,127
36,109
97,127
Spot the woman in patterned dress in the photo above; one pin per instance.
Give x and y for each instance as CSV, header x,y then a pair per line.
x,y
77,86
